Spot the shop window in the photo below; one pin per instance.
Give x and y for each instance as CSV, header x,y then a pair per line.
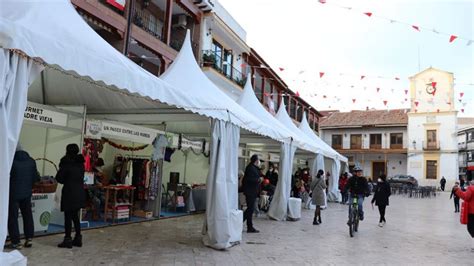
x,y
336,141
375,141
396,140
356,141
431,169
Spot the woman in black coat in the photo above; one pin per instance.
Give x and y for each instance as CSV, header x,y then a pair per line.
x,y
381,195
71,175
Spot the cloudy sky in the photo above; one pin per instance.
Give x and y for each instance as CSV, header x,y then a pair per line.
x,y
305,37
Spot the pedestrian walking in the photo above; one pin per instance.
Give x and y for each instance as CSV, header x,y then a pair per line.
x,y
71,175
442,183
381,195
23,175
342,187
456,198
468,197
318,185
250,184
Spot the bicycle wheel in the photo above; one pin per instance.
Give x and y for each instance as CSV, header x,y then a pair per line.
x,y
351,225
356,223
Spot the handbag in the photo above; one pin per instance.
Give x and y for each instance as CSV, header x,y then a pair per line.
x,y
464,212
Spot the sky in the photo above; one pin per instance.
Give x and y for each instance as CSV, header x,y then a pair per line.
x,y
306,37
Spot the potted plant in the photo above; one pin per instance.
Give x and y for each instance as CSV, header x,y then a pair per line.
x,y
209,60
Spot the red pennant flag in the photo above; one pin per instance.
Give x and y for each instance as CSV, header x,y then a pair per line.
x,y
406,99
353,100
297,94
266,94
321,74
434,92
243,65
452,38
322,1
461,94
433,84
378,89
385,102
462,110
324,96
416,103
281,69
362,77
406,92
416,27
369,14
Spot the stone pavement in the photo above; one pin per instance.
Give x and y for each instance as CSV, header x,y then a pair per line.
x,y
418,231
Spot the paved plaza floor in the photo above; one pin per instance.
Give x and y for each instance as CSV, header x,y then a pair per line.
x,y
418,231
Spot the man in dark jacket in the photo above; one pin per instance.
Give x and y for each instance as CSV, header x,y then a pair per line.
x,y
250,184
357,186
442,183
22,177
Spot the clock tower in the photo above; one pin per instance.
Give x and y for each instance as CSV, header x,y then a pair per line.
x,y
432,125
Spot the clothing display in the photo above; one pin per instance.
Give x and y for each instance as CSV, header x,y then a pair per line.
x,y
159,148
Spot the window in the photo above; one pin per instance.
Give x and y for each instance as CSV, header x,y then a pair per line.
x,y
356,141
258,86
336,141
396,140
217,52
267,87
469,157
431,139
431,169
227,64
375,141
299,113
276,98
293,107
470,136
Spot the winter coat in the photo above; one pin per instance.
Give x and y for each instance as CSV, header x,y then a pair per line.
x,y
317,187
343,183
382,193
250,181
22,176
467,196
71,175
357,186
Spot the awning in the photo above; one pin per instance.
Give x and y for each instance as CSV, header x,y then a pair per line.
x,y
327,151
185,74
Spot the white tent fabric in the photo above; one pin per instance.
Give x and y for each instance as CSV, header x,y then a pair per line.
x,y
249,102
327,150
218,226
185,74
64,41
279,206
333,190
16,74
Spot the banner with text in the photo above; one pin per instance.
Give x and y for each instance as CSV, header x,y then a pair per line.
x,y
41,114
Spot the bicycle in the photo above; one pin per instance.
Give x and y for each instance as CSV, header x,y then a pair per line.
x,y
354,217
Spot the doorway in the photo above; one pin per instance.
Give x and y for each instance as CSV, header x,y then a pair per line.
x,y
378,168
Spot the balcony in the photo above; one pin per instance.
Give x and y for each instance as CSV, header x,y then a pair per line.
x,y
431,146
211,59
396,146
375,146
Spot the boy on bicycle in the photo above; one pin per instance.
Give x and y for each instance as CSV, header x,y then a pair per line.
x,y
357,186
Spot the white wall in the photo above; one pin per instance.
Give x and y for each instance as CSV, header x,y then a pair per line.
x,y
223,14
396,163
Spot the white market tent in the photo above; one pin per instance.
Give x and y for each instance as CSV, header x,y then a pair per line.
x,y
318,162
81,68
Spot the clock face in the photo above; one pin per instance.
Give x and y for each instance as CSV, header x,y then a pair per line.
x,y
430,88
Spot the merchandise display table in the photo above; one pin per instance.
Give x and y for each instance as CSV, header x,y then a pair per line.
x,y
118,202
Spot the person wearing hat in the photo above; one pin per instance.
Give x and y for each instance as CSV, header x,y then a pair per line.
x,y
22,177
250,185
357,186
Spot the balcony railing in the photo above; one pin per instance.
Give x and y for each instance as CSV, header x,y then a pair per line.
x,y
214,60
143,21
396,146
337,146
375,146
431,146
